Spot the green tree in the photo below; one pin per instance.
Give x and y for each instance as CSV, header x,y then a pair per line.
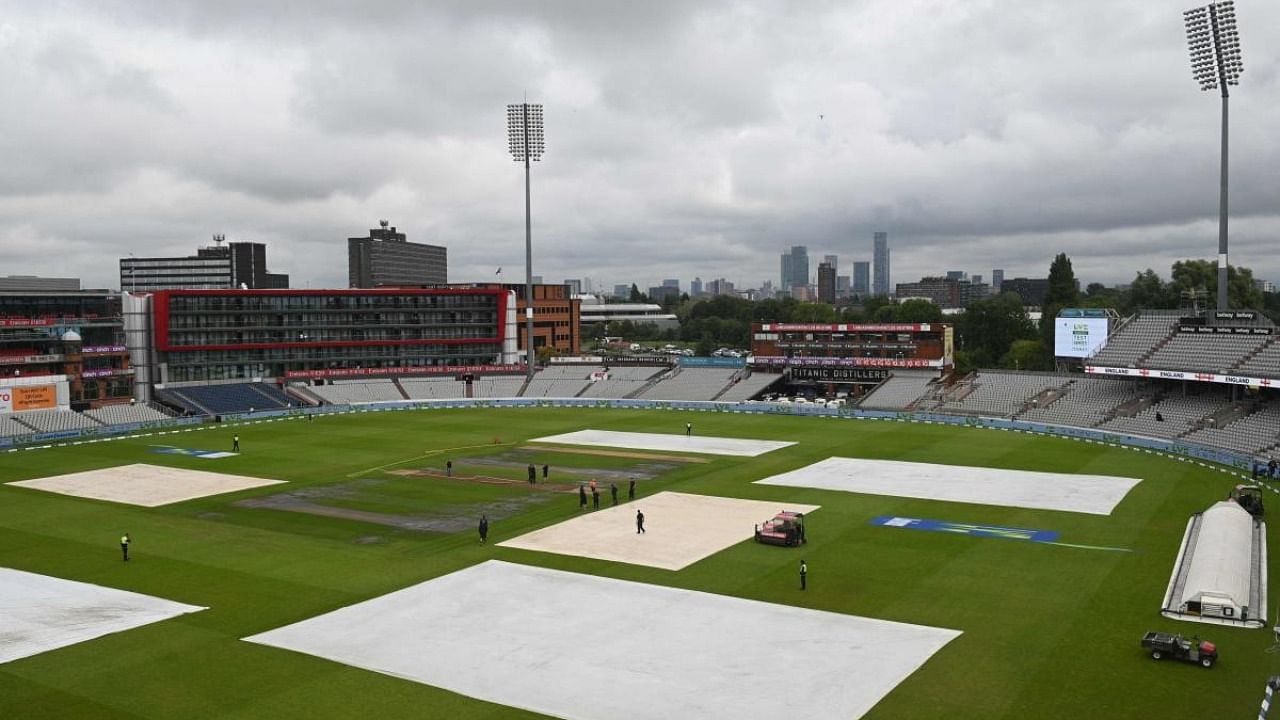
x,y
1189,275
1148,292
917,311
988,328
1025,354
1063,292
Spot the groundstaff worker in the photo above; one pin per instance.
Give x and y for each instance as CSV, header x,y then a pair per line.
x,y
124,546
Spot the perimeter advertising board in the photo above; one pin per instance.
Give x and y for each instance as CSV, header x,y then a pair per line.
x,y
28,397
1079,337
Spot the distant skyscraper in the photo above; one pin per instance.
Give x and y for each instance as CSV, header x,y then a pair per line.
x,y
861,278
386,258
975,279
575,286
832,261
880,255
997,281
695,287
622,292
216,267
843,286
955,275
672,284
826,283
795,267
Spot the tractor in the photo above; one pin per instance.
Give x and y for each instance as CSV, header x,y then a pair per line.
x,y
786,528
1248,497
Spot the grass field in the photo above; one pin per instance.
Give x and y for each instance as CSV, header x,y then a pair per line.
x,y
1049,632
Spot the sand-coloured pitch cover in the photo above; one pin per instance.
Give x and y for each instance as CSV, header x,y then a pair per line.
x,y
583,647
143,484
657,441
39,613
680,528
1092,494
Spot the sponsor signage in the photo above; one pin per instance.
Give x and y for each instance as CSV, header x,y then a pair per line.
x,y
25,322
378,372
1225,330
840,374
30,359
1235,315
1079,337
720,362
92,349
105,372
18,398
782,361
971,529
1184,375
828,327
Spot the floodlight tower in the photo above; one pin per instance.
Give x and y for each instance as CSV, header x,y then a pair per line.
x,y
1215,63
524,131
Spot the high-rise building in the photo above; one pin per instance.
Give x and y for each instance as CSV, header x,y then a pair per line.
x,y
695,287
672,284
826,283
975,279
219,266
795,267
622,292
997,280
386,258
24,283
832,260
1265,286
575,286
861,278
842,286
956,275
1031,290
719,286
880,256
944,292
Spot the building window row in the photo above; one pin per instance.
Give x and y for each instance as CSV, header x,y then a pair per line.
x,y
277,303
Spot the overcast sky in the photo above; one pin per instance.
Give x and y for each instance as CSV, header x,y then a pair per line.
x,y
683,138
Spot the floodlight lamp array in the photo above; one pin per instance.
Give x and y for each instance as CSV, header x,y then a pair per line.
x,y
524,131
1214,44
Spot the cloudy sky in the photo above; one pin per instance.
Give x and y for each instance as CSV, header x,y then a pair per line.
x,y
683,138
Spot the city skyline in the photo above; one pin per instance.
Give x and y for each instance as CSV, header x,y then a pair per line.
x,y
137,133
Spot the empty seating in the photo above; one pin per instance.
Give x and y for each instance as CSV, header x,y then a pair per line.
x,y
749,386
124,414
497,386
9,427
622,382
1002,393
1180,415
343,392
1142,333
441,388
1085,402
691,384
900,391
231,398
47,421
1253,434
1196,352
1265,364
560,381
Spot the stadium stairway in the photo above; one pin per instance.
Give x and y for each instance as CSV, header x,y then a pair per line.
x,y
400,388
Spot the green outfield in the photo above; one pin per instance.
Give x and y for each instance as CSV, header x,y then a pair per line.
x,y
1048,631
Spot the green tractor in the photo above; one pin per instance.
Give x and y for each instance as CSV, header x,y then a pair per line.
x,y
1248,497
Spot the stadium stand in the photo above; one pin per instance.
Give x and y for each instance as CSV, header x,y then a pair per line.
x,y
446,388
1129,344
1204,353
124,414
1002,394
1264,361
622,382
560,381
1180,415
1255,433
497,386
690,384
217,399
10,427
343,392
749,385
57,420
1085,402
899,392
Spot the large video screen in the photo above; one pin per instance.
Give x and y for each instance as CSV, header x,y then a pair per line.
x,y
1079,337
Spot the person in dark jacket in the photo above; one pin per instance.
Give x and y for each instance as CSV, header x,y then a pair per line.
x,y
631,490
484,528
639,522
804,574
613,490
582,497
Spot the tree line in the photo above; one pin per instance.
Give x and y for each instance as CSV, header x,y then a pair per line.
x,y
992,332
